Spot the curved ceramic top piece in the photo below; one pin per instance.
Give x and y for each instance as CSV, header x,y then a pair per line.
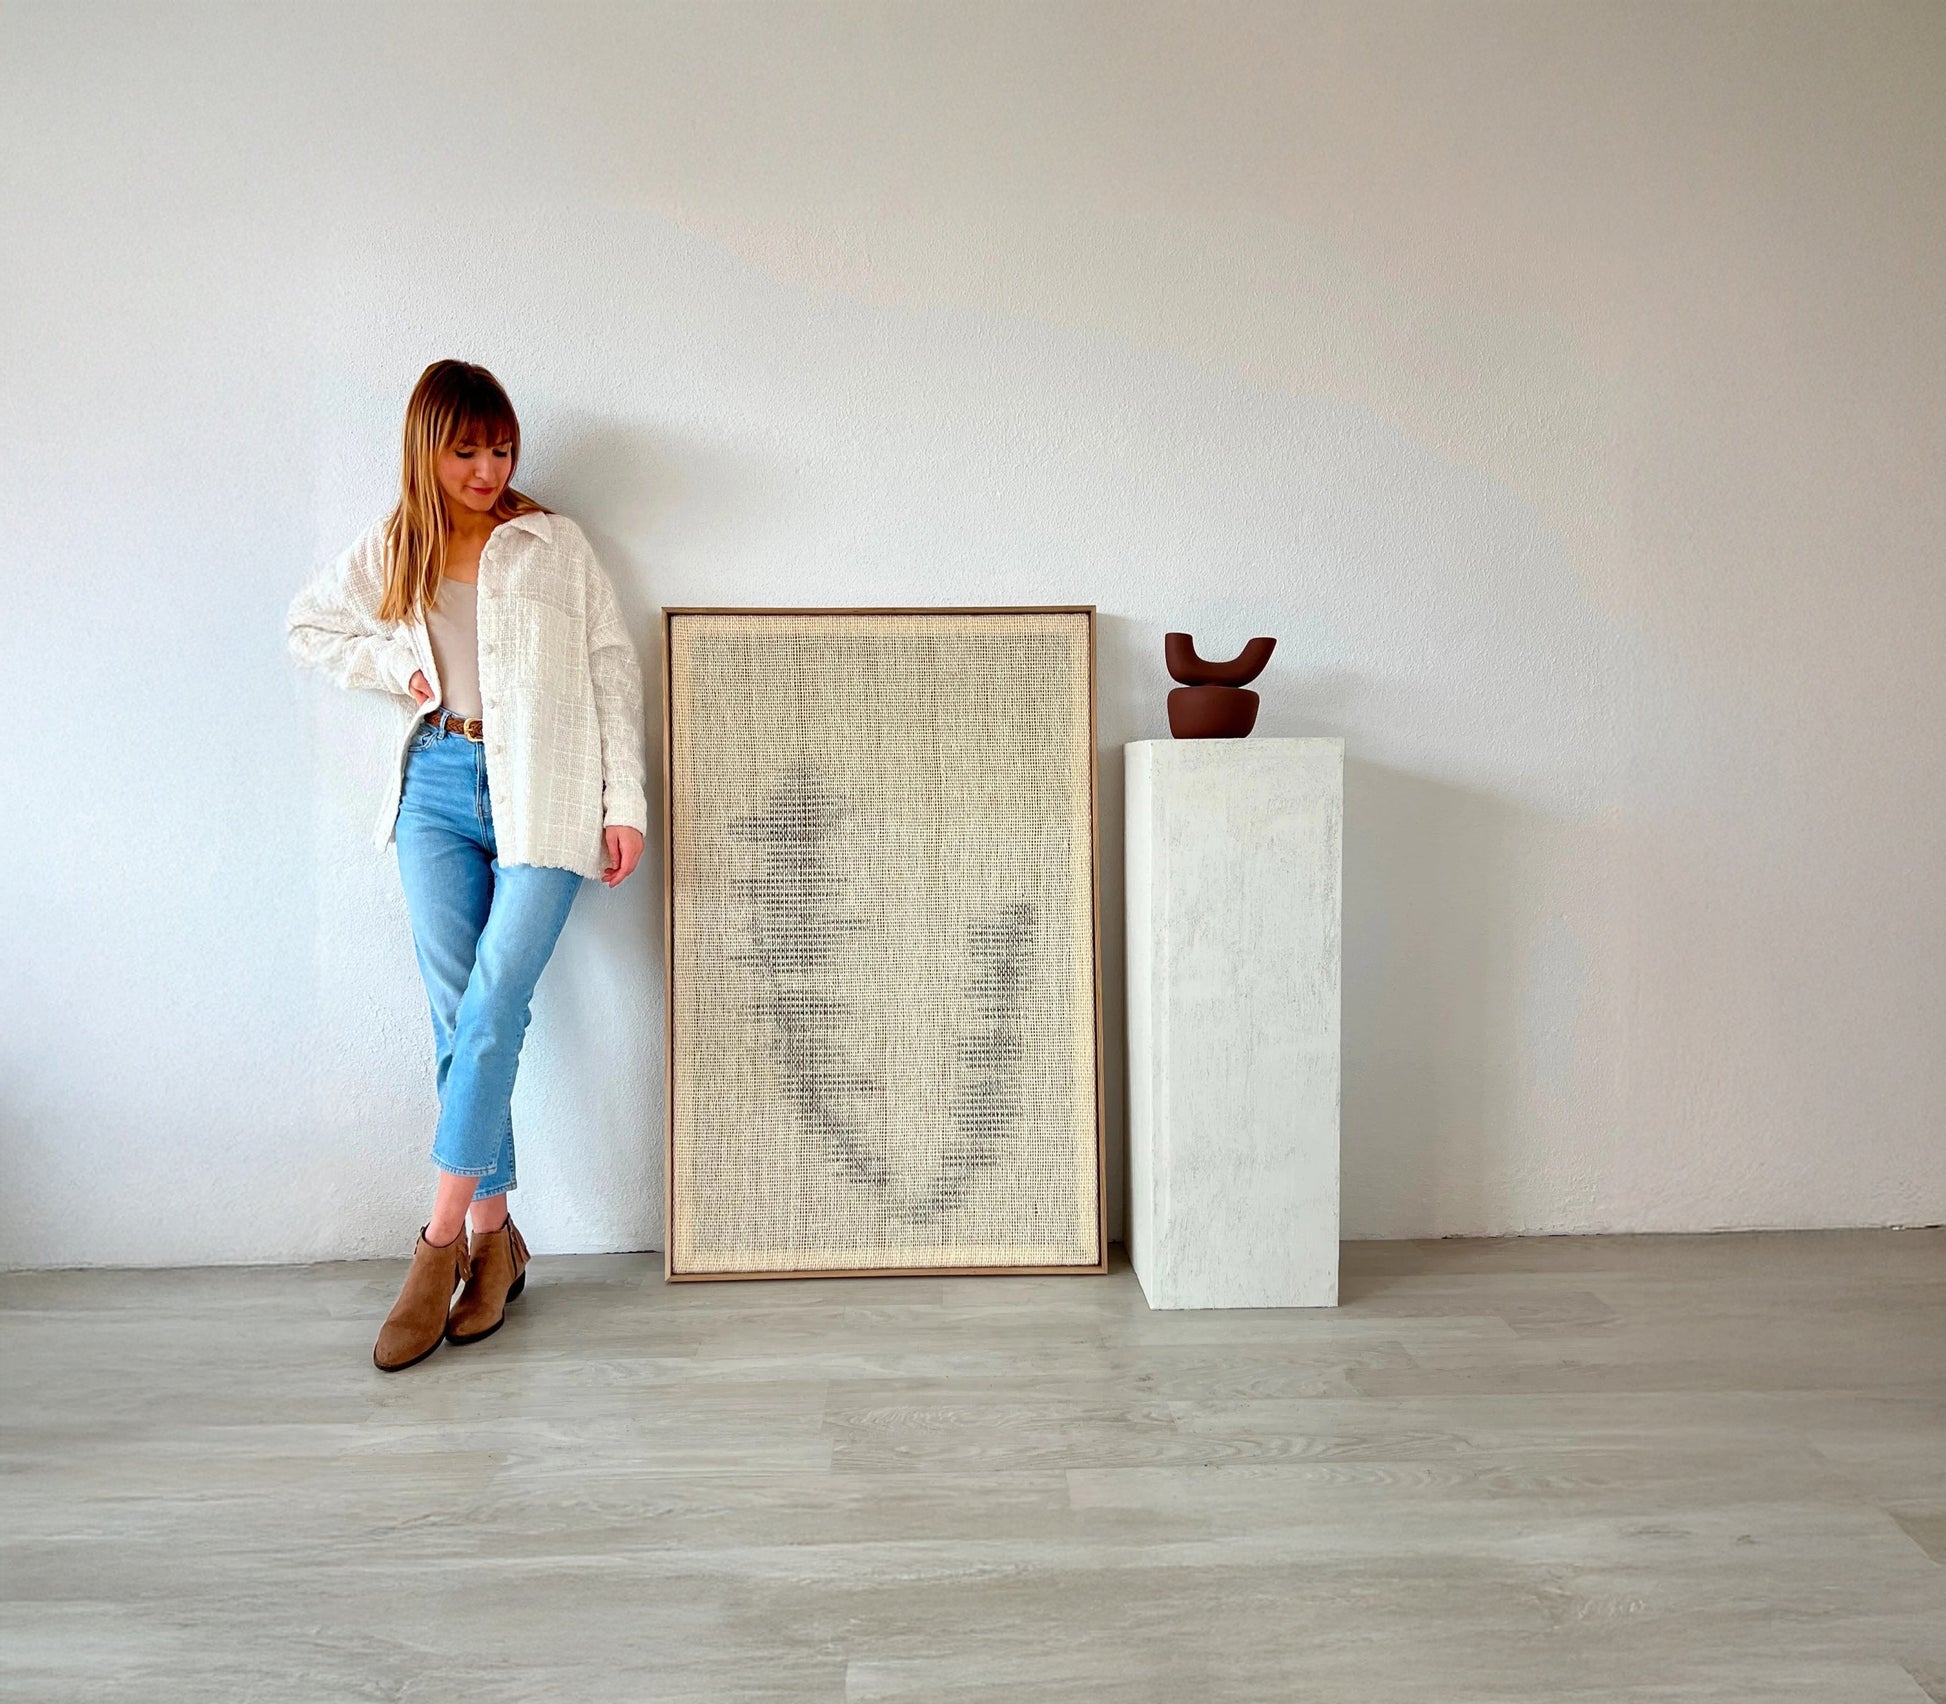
x,y
1179,652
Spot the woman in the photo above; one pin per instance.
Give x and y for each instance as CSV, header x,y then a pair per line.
x,y
519,773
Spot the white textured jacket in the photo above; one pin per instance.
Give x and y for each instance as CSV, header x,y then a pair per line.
x,y
560,684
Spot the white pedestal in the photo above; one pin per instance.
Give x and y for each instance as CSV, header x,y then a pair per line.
x,y
1235,859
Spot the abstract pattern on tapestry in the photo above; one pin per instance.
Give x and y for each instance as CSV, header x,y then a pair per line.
x,y
883,1011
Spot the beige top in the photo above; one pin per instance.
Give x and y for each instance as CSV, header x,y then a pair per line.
x,y
453,625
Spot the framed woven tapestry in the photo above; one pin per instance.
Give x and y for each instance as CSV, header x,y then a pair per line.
x,y
884,1012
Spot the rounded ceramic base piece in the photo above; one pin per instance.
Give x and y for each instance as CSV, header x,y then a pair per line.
x,y
1212,712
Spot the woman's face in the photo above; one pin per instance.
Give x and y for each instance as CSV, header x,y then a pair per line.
x,y
472,475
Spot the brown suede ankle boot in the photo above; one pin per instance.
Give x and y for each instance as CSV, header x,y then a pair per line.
x,y
416,1326
499,1275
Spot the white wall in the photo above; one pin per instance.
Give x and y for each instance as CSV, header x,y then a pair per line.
x,y
1563,385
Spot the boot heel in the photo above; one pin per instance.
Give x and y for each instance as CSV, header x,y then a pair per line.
x,y
516,1286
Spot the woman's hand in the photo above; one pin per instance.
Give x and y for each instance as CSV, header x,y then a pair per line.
x,y
624,853
420,689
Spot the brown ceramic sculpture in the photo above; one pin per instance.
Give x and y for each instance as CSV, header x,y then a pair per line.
x,y
1213,703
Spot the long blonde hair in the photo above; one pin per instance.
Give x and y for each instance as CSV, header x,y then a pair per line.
x,y
454,401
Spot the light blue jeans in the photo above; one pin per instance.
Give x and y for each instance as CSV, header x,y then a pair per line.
x,y
483,932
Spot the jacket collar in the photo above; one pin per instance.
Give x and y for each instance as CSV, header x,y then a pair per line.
x,y
540,525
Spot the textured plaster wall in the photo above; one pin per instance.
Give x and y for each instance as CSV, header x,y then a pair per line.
x,y
1564,386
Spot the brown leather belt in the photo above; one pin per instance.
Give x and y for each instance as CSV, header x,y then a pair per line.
x,y
470,726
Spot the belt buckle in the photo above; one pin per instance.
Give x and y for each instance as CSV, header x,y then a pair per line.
x,y
471,728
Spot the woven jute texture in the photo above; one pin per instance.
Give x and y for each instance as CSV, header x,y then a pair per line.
x,y
882,976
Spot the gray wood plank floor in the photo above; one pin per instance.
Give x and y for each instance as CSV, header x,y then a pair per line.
x,y
1613,1468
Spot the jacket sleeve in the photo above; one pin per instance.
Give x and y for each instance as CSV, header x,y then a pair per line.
x,y
333,626
617,673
